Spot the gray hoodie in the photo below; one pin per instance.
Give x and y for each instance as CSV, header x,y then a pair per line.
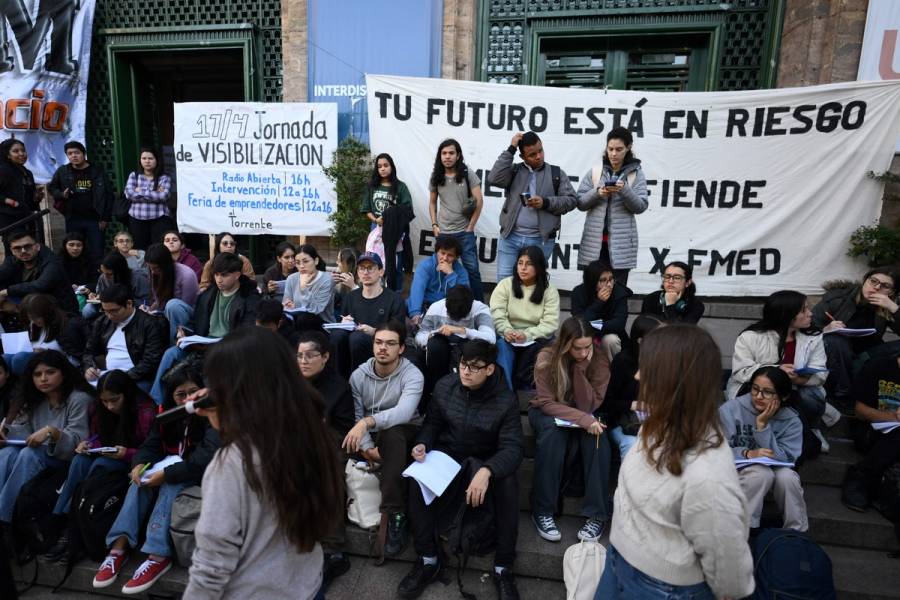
x,y
72,418
783,433
391,400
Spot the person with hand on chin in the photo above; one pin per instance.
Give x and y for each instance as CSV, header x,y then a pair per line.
x,y
434,276
386,393
758,425
601,298
677,301
309,293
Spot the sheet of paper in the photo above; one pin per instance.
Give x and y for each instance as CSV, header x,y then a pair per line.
x,y
522,344
847,332
762,460
564,423
190,340
15,442
598,324
279,286
167,461
14,343
346,326
103,450
885,426
433,474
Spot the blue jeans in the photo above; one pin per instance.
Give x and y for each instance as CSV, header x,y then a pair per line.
x,y
508,252
18,466
82,466
90,311
93,238
170,358
469,259
623,441
621,581
135,508
810,403
178,312
18,361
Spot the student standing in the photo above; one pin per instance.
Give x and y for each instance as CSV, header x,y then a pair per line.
x,y
383,192
459,191
270,492
148,188
17,187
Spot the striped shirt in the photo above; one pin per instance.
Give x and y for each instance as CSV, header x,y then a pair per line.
x,y
147,203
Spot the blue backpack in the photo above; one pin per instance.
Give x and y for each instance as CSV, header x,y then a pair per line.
x,y
790,565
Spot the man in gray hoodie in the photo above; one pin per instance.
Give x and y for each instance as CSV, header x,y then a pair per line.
x,y
386,393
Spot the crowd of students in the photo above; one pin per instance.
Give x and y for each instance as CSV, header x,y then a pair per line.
x,y
394,378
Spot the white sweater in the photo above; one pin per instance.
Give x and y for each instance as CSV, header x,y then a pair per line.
x,y
755,349
688,529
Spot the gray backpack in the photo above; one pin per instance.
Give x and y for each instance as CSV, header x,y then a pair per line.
x,y
185,514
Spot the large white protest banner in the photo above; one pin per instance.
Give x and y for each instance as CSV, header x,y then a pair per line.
x,y
758,190
45,55
255,168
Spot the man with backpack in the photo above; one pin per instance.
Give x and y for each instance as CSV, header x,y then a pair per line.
x,y
537,195
474,419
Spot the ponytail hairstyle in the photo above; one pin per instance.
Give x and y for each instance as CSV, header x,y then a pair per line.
x,y
311,252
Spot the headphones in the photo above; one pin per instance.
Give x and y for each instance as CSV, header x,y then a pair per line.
x,y
679,306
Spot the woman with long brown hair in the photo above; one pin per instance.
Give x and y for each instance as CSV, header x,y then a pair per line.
x,y
274,488
571,376
680,520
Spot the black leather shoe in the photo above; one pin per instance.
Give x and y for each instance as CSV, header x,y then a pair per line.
x,y
854,494
396,535
505,583
418,579
59,550
335,566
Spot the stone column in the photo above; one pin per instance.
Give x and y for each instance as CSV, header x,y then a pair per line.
x,y
294,50
458,43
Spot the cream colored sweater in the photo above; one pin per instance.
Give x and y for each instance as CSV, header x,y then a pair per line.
x,y
688,529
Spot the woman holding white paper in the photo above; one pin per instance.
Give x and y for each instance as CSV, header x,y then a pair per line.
x,y
759,426
285,265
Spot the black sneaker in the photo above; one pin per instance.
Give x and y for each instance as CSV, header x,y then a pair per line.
x,y
396,535
59,550
505,583
335,565
854,494
418,579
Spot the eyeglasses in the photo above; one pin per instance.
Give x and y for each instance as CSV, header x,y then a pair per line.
x,y
473,369
766,394
308,356
185,394
669,277
227,244
367,269
875,283
22,248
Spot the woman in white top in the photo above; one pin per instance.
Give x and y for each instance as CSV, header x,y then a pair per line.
x,y
680,525
49,328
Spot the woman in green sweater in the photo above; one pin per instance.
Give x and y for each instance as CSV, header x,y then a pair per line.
x,y
525,308
383,191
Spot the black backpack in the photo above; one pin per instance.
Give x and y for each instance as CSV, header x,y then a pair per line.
x,y
35,528
790,565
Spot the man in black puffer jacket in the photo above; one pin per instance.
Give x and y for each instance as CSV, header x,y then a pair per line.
x,y
472,414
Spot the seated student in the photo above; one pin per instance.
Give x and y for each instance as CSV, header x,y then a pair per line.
x,y
386,393
229,304
75,262
622,420
434,276
677,300
525,308
344,278
447,324
49,328
114,269
367,306
124,338
270,314
473,416
31,268
225,242
870,305
876,391
285,265
122,421
124,244
784,338
309,293
173,288
274,488
313,360
571,378
9,387
601,297
759,425
51,413
195,442
182,254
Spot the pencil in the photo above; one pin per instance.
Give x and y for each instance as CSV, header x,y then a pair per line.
x,y
830,316
598,437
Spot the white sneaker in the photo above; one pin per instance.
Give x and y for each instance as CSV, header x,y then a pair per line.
x,y
825,446
831,416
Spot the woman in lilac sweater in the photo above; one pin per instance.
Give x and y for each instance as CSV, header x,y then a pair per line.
x,y
181,255
173,288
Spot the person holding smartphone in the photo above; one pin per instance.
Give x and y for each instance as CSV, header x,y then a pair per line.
x,y
611,194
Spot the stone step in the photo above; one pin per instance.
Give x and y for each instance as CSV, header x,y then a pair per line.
x,y
171,585
829,469
864,574
830,522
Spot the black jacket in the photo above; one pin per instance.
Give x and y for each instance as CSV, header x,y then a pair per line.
x,y
145,338
338,400
241,311
614,311
622,389
49,278
683,311
841,303
101,190
200,445
18,184
483,424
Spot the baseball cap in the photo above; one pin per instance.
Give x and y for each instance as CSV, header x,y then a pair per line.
x,y
371,257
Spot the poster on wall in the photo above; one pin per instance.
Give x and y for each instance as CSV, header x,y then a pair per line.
x,y
45,52
757,190
255,168
880,59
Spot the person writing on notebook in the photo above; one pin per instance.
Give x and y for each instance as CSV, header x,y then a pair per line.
x,y
473,417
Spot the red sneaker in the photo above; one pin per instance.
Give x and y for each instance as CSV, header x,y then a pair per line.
x,y
146,575
109,569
